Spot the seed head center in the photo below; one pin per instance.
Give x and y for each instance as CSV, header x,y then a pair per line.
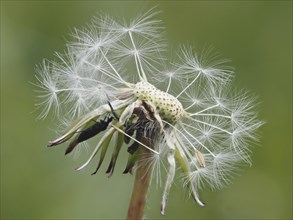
x,y
168,107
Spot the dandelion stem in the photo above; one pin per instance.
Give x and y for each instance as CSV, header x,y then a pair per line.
x,y
141,183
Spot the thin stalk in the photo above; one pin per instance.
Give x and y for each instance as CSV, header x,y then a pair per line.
x,y
141,183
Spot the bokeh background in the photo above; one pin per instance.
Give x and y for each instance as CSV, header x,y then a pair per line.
x,y
40,183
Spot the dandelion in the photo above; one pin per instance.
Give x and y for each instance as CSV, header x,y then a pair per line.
x,y
114,79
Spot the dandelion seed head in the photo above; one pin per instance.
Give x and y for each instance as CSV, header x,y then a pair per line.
x,y
115,78
168,106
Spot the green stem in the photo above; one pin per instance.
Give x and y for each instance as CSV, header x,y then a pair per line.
x,y
141,184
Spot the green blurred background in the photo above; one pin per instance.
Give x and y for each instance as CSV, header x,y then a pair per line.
x,y
40,183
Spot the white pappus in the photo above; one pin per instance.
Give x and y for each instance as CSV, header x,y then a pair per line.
x,y
115,79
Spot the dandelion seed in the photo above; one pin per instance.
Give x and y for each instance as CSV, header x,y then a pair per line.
x,y
105,83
